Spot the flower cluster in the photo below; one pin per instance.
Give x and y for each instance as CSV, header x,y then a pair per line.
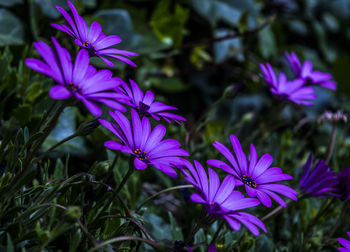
x,y
300,90
146,145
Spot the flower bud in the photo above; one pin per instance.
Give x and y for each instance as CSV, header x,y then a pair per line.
x,y
86,128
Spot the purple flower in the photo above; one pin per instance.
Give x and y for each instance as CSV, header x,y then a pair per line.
x,y
222,201
256,176
146,145
306,73
293,91
319,182
145,105
343,186
80,80
345,243
212,248
92,38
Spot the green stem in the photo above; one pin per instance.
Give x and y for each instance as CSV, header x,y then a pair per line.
x,y
339,221
123,238
217,232
116,192
149,237
332,143
32,152
161,192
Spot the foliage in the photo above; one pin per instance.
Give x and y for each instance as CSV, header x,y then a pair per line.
x,y
201,56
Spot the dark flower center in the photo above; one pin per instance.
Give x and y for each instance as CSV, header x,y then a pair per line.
x,y
142,108
90,47
73,88
141,154
249,181
212,208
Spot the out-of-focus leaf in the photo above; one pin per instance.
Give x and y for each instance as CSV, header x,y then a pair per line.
x,y
169,85
168,26
176,232
8,3
23,113
224,49
267,43
215,11
48,7
199,56
11,29
35,91
340,71
118,22
65,127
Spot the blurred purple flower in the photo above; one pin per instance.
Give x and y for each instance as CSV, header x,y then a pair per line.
x,y
343,187
222,201
80,80
212,248
293,91
144,103
306,73
146,145
345,243
92,38
320,182
256,176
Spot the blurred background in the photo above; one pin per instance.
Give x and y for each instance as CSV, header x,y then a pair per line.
x,y
201,56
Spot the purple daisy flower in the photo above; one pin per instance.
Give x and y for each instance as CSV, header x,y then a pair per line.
x,y
343,186
146,145
345,243
319,182
212,248
145,105
293,91
92,38
306,73
80,80
256,176
222,201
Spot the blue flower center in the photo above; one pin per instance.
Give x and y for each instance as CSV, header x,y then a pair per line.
x,y
249,181
142,155
142,108
90,47
73,88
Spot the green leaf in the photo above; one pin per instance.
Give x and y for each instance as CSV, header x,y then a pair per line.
x,y
23,113
169,85
340,71
59,169
267,43
10,247
8,3
168,26
176,232
35,91
11,29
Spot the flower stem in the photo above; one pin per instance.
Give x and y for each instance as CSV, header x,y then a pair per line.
x,y
161,192
339,221
117,190
217,232
332,143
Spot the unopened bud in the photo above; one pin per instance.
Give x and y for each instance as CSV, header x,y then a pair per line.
x,y
232,90
73,213
86,128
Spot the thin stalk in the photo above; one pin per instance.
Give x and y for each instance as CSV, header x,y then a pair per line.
x,y
161,192
204,116
61,142
123,238
47,113
149,237
217,232
332,143
116,192
322,210
339,221
32,152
